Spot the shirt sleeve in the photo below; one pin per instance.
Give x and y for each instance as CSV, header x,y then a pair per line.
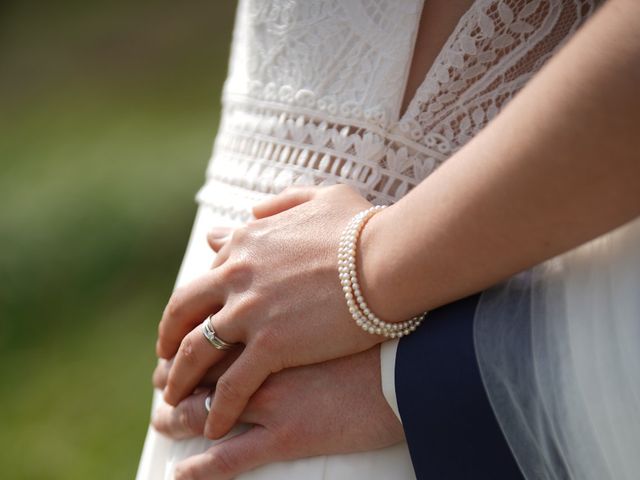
x,y
388,373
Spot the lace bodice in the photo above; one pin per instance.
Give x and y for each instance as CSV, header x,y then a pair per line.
x,y
314,92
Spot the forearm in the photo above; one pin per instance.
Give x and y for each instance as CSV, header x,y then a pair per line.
x,y
558,167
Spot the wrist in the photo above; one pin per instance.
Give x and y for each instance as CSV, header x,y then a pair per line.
x,y
380,280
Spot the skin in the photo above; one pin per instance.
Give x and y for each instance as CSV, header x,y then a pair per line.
x,y
343,394
438,20
258,307
558,167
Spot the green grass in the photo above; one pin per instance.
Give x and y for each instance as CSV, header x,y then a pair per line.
x,y
107,116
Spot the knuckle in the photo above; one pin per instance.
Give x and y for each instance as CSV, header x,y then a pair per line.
x,y
235,267
188,419
245,306
239,235
160,424
174,305
187,351
223,461
266,341
162,328
227,390
159,377
237,271
184,472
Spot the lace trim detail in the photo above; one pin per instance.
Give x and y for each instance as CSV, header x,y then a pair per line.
x,y
328,104
314,87
263,148
495,49
341,58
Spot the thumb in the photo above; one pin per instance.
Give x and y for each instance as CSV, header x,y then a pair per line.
x,y
228,459
289,198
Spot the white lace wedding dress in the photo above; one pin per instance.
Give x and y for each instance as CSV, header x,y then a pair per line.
x,y
314,96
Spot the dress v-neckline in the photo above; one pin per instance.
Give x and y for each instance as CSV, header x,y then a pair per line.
x,y
400,113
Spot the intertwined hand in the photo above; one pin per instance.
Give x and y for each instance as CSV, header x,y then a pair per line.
x,y
300,412
274,287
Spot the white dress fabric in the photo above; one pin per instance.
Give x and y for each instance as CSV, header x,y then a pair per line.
x,y
313,97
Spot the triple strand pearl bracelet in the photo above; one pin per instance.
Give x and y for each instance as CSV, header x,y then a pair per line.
x,y
348,273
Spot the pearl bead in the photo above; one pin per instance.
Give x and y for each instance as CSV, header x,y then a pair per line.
x,y
347,270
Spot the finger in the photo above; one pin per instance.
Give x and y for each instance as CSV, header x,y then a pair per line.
x,y
161,372
195,356
233,391
289,198
159,377
222,255
218,236
232,457
188,306
185,420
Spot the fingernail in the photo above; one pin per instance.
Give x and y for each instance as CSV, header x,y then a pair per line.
x,y
219,232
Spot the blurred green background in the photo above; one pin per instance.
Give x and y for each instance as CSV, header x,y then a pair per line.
x,y
107,115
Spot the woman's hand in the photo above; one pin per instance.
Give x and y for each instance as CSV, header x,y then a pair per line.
x,y
319,409
274,288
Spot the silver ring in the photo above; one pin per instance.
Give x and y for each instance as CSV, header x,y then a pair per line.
x,y
207,402
210,334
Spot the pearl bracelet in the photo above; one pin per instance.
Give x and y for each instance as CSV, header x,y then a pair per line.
x,y
347,271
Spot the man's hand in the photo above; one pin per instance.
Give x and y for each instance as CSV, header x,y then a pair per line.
x,y
329,408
